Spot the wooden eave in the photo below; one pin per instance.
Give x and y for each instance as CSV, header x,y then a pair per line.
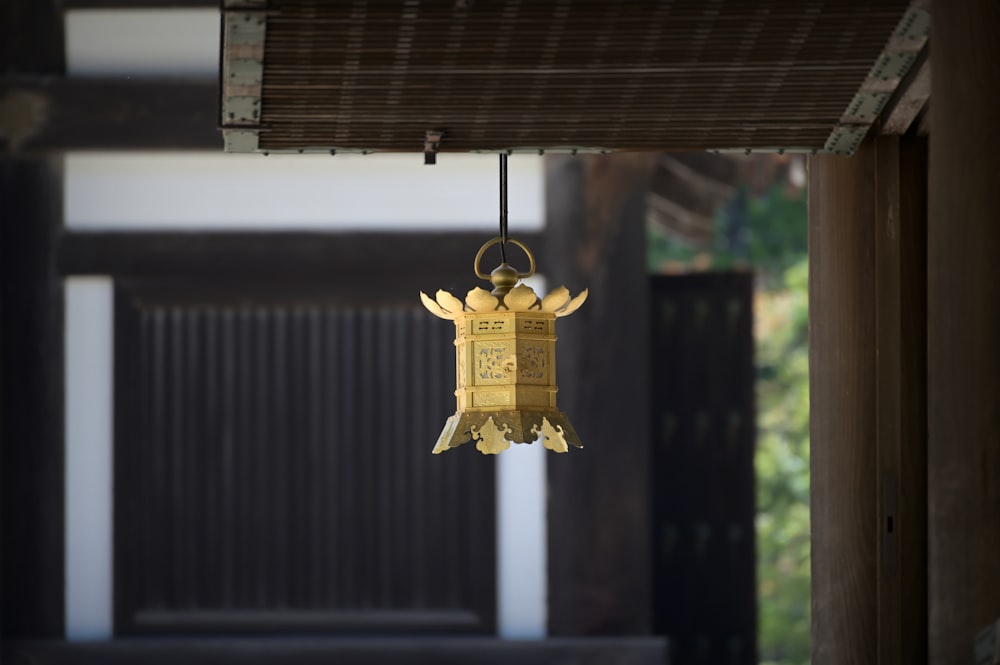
x,y
375,75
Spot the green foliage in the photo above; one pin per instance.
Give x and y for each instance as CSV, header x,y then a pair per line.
x,y
778,232
782,462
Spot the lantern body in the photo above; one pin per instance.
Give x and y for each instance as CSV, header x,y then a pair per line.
x,y
505,369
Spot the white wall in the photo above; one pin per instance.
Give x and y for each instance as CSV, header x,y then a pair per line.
x,y
378,192
88,347
144,42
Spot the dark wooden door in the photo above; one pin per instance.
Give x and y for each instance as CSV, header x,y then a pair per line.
x,y
703,429
273,467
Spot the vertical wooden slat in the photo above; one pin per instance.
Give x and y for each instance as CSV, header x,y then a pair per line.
x,y
227,484
286,486
842,377
332,403
279,450
963,328
419,427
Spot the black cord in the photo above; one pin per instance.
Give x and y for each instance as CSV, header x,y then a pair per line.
x,y
503,207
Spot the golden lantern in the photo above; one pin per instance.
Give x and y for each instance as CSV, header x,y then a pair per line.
x,y
505,357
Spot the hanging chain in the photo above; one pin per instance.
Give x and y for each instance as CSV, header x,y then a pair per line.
x,y
503,207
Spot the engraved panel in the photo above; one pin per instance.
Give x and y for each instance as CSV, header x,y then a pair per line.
x,y
495,363
491,325
532,363
534,325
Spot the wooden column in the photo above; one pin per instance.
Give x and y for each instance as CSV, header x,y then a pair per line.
x,y
867,226
842,407
964,327
31,348
599,502
31,306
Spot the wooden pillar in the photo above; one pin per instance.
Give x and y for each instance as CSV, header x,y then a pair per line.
x,y
842,407
599,502
31,385
867,226
31,348
964,327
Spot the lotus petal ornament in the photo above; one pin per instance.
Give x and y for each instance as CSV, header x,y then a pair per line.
x,y
505,359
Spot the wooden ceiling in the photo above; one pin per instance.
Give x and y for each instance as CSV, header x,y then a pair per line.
x,y
480,75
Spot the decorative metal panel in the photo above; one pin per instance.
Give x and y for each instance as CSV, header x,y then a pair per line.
x,y
461,75
703,429
273,471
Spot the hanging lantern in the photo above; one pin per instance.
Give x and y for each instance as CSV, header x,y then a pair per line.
x,y
505,356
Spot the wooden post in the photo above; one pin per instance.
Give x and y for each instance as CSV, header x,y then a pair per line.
x,y
964,328
842,407
31,298
599,500
31,351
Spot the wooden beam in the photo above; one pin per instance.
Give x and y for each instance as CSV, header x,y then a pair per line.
x,y
58,114
138,4
408,259
963,307
842,397
599,512
909,99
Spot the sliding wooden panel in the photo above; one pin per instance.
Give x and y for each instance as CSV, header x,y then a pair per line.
x,y
273,470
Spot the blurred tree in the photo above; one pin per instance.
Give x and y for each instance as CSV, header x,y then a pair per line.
x,y
782,465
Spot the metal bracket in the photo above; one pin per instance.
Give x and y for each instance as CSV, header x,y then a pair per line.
x,y
432,143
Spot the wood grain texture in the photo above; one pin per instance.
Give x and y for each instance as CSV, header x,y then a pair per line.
x,y
599,501
964,328
842,399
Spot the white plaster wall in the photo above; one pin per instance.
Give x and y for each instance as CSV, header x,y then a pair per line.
x,y
142,42
378,192
88,348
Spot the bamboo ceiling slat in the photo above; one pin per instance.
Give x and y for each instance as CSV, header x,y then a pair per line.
x,y
618,74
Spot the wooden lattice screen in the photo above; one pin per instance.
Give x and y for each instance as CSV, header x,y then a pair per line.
x,y
273,470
